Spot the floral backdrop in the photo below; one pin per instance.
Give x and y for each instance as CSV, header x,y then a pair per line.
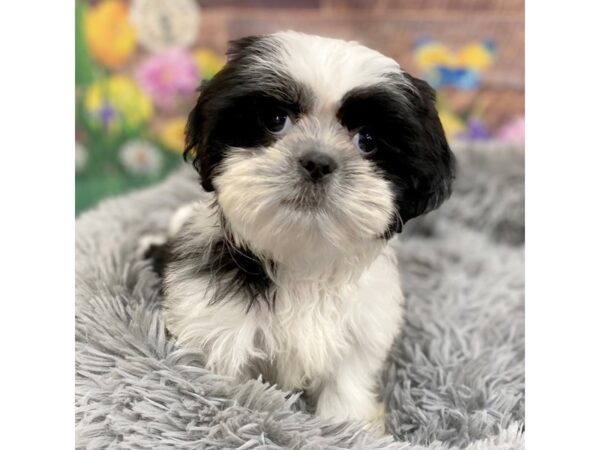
x,y
139,63
136,72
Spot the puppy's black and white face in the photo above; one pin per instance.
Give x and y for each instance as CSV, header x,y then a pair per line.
x,y
317,145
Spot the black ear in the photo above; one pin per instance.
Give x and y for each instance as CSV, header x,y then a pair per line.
x,y
432,165
196,131
205,138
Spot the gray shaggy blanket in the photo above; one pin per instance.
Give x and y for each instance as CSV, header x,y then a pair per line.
x,y
454,379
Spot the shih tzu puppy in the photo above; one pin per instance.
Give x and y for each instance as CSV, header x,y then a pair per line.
x,y
315,152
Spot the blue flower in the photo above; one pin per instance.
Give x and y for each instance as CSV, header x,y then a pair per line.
x,y
460,78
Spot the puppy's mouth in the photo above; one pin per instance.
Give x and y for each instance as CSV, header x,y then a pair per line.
x,y
307,197
308,204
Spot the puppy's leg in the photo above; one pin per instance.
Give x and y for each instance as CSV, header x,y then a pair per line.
x,y
223,333
350,393
149,244
180,217
149,241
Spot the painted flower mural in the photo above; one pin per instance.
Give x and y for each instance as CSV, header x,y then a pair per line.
x,y
172,135
164,24
116,102
141,158
166,77
81,157
452,71
513,131
139,62
462,69
137,69
110,37
452,123
208,62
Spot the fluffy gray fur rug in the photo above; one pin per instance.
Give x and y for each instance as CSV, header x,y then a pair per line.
x,y
455,377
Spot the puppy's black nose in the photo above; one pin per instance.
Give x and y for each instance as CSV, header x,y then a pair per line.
x,y
317,165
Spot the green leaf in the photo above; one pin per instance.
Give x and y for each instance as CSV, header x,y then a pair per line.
x,y
84,68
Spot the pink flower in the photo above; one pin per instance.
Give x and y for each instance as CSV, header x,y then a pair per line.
x,y
513,132
167,76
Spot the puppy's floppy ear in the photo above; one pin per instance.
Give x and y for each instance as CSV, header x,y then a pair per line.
x,y
432,162
215,96
195,141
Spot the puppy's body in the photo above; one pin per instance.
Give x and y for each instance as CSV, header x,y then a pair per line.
x,y
315,152
329,339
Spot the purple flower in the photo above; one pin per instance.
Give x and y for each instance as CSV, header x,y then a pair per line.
x,y
107,113
167,76
477,129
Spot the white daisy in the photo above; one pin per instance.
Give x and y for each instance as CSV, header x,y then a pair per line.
x,y
141,158
162,24
81,157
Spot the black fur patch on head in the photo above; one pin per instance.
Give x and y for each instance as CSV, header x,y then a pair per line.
x,y
232,107
412,151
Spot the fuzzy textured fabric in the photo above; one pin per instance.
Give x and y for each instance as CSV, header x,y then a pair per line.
x,y
454,378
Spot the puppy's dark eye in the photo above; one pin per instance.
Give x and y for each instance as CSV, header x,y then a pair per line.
x,y
365,143
277,121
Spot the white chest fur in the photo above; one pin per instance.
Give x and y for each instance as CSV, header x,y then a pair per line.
x,y
329,339
304,338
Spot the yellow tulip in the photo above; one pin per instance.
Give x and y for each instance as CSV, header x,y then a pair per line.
x,y
475,56
109,35
172,135
434,54
116,100
208,62
451,123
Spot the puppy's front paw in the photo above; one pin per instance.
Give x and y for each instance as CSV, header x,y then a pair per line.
x,y
147,242
359,404
377,419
